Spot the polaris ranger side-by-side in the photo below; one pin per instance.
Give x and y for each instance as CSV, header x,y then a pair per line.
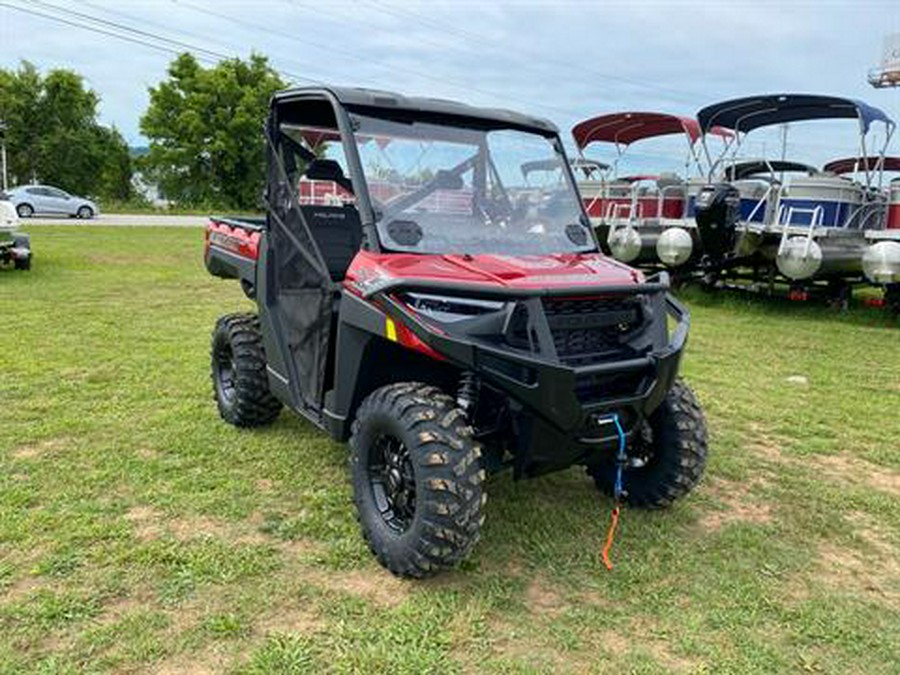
x,y
420,298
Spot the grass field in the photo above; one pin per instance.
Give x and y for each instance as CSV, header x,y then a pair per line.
x,y
139,532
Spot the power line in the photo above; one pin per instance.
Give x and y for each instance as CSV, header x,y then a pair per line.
x,y
305,41
212,55
143,38
483,40
57,19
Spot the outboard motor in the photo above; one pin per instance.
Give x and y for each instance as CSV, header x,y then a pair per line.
x,y
717,210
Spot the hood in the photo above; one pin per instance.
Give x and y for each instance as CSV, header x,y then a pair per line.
x,y
521,272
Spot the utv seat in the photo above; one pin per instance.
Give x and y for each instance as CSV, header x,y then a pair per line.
x,y
338,234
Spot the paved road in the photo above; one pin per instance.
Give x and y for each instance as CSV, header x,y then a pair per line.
x,y
136,220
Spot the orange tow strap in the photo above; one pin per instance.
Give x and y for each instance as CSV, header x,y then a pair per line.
x,y
611,533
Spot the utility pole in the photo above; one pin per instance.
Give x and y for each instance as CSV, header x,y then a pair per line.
x,y
4,185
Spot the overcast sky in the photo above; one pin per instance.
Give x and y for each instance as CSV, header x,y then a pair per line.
x,y
562,60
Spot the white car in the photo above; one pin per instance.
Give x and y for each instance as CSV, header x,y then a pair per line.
x,y
31,200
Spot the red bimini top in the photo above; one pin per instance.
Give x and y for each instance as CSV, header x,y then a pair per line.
x,y
627,127
854,164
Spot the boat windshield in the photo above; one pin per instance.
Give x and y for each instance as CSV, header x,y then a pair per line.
x,y
458,189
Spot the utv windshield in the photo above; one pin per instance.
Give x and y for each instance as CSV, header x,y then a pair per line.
x,y
452,189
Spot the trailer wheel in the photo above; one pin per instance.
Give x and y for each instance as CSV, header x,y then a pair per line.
x,y
22,241
668,459
417,479
238,365
839,296
892,298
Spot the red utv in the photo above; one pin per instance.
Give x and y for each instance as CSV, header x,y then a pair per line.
x,y
420,297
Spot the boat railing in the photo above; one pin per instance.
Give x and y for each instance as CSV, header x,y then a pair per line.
x,y
614,211
616,220
771,190
786,217
661,200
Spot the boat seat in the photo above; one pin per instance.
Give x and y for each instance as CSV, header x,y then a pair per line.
x,y
668,179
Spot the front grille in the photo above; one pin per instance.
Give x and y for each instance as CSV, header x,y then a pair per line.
x,y
596,388
521,333
591,330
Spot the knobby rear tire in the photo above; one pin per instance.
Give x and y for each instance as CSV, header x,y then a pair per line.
x,y
242,393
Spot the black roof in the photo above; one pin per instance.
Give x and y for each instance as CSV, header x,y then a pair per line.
x,y
751,112
355,97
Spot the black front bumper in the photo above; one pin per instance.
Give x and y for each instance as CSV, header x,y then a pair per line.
x,y
562,410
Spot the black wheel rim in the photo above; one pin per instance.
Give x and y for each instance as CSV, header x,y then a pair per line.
x,y
224,369
393,482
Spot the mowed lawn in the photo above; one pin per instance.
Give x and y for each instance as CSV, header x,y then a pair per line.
x,y
138,532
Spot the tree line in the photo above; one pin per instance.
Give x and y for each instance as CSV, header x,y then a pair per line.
x,y
203,124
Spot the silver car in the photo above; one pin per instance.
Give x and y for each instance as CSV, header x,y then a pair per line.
x,y
31,200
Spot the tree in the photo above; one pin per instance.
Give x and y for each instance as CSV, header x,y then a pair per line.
x,y
53,134
205,131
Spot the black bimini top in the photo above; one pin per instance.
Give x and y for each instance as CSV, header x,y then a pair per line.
x,y
752,112
381,102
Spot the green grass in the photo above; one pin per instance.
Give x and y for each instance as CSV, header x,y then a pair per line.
x,y
110,206
138,531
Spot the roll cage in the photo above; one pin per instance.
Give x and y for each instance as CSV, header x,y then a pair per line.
x,y
332,111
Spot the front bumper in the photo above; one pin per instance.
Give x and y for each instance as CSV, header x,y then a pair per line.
x,y
561,408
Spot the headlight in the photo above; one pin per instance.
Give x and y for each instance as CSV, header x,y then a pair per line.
x,y
448,309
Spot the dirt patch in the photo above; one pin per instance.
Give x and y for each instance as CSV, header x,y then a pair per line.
x,y
765,445
739,506
147,453
869,570
150,524
659,647
614,641
848,571
379,586
299,548
119,608
288,620
191,527
146,522
264,485
839,468
207,661
844,468
509,642
20,589
542,599
39,448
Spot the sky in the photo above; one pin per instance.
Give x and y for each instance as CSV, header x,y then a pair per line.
x,y
565,60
